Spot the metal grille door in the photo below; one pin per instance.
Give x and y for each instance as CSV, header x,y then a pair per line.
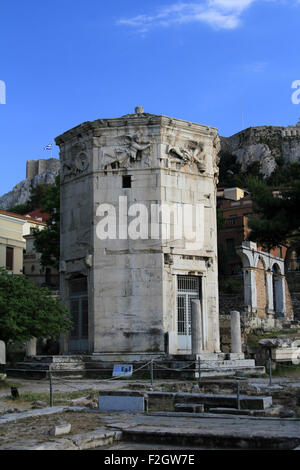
x,y
188,288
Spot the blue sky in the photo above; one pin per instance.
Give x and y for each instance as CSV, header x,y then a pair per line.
x,y
222,63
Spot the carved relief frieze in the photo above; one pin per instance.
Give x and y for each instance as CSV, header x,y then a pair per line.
x,y
216,158
191,153
129,151
76,160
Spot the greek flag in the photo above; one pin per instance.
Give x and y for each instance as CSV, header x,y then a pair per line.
x,y
48,147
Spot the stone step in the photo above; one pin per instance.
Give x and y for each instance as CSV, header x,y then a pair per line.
x,y
55,359
50,366
230,371
230,401
43,373
238,436
189,408
268,412
216,401
235,411
173,367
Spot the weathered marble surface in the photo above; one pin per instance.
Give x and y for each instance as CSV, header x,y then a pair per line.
x,y
132,282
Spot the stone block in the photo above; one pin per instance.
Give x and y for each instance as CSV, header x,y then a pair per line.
x,y
226,401
230,411
286,354
60,430
236,356
173,195
187,197
170,181
189,407
2,353
144,181
131,402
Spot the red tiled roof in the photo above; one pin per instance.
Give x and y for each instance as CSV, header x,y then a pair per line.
x,y
29,217
37,214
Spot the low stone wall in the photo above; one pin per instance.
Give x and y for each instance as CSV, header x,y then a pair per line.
x,y
229,302
296,304
225,333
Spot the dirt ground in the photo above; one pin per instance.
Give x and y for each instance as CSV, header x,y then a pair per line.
x,y
38,428
36,393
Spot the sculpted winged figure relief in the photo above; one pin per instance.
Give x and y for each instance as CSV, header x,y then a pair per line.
x,y
131,151
193,153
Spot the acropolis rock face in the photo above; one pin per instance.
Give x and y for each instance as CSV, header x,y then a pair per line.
x,y
265,145
42,171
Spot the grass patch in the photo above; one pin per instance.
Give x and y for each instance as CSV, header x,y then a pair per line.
x,y
59,398
289,370
163,404
4,384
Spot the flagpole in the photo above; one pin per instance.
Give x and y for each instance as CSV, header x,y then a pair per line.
x,y
49,147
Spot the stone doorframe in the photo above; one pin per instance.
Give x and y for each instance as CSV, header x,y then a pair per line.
x,y
275,277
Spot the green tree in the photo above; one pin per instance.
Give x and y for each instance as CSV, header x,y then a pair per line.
x,y
47,241
21,209
37,194
284,173
28,311
230,171
253,170
220,219
277,220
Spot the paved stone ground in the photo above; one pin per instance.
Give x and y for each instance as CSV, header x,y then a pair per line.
x,y
186,429
35,430
190,430
145,446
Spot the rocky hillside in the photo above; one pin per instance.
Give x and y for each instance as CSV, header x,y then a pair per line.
x,y
20,194
266,145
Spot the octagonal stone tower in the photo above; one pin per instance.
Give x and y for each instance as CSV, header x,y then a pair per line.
x,y
138,235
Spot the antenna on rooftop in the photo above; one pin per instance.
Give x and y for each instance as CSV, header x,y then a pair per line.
x,y
243,117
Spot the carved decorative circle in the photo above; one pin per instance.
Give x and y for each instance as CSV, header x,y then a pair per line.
x,y
82,162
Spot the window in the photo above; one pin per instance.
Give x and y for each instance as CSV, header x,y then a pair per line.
x,y
232,219
9,258
126,181
230,245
